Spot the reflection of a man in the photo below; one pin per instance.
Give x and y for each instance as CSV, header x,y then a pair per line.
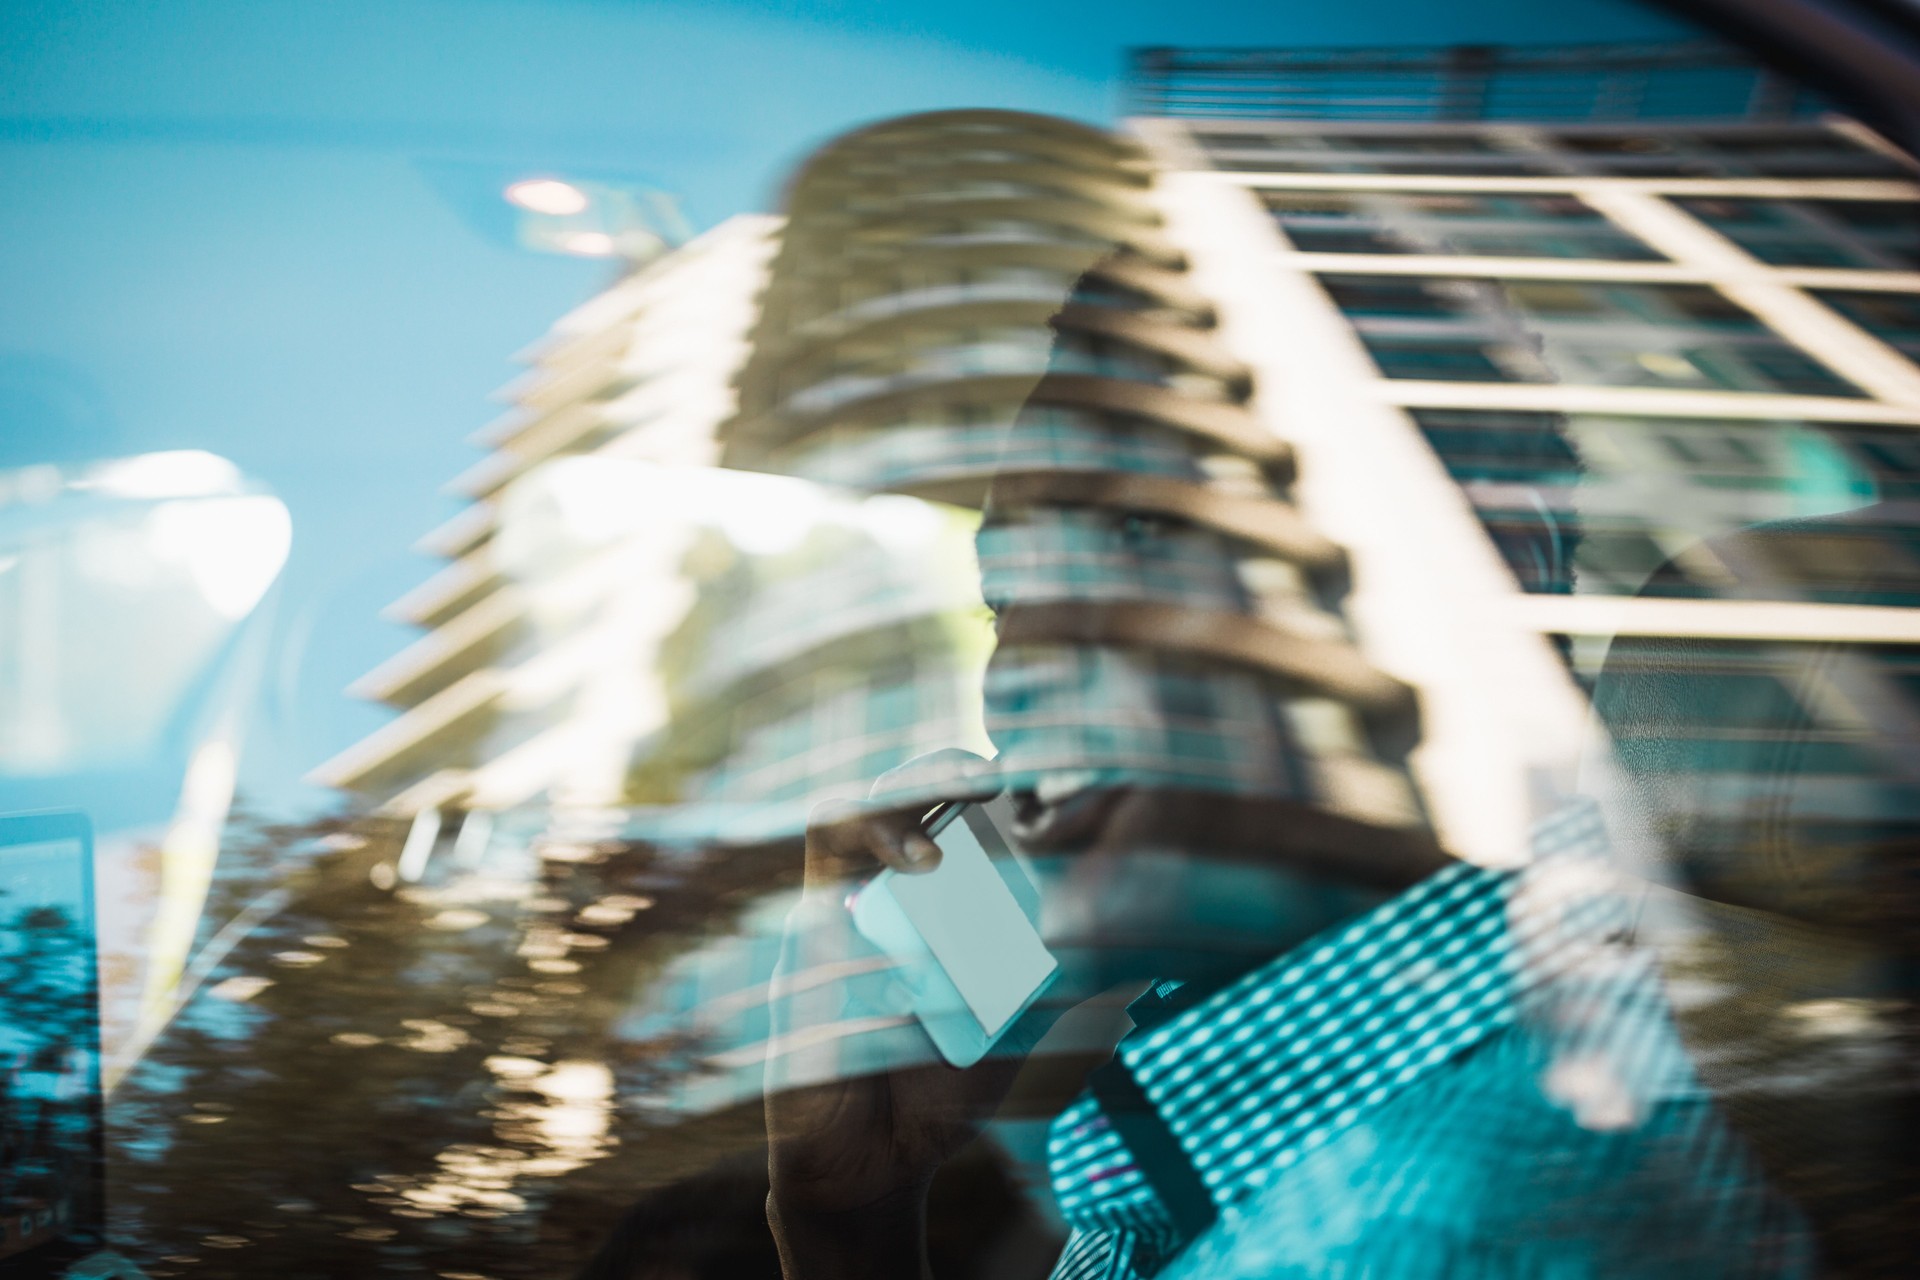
x,y
1347,1054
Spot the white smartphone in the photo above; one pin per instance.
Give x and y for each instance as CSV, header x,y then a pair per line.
x,y
964,934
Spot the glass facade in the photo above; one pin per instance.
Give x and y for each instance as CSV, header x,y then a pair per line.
x,y
1806,151
1613,422
1809,232
1041,438
1894,318
1623,504
833,727
1497,225
1715,726
1090,554
1146,720
1390,580
1333,151
955,394
1679,337
1614,505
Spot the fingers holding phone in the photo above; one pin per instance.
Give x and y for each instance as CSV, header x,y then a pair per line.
x,y
965,934
848,837
840,1003
924,884
842,1135
852,840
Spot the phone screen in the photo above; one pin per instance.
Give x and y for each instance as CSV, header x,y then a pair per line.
x,y
972,918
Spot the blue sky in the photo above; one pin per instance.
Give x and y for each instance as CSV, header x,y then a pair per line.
x,y
238,225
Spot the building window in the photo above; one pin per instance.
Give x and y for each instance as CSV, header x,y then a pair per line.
x,y
1537,547
1894,318
1843,564
982,441
1526,448
1807,152
1874,234
1400,297
837,727
1718,699
1553,549
1768,365
975,231
1760,365
1419,144
1054,555
1686,337
1690,507
1891,457
1514,226
1758,715
1330,151
1449,360
1562,302
1131,716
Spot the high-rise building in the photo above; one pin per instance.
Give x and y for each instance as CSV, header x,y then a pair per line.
x,y
1325,438
516,693
1541,326
984,309
1177,623
1324,448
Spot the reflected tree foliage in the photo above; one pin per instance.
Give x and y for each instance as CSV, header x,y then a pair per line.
x,y
46,1003
422,1079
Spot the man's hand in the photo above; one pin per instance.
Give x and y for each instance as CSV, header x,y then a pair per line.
x,y
850,1159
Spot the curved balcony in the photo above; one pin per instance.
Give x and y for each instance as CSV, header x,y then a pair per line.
x,y
1166,287
439,730
820,612
896,454
928,367
1328,667
887,178
1004,285
1016,220
484,634
1022,296
901,222
896,179
981,307
933,134
455,588
817,271
1197,349
1267,523
779,753
1080,552
1059,456
1089,554
1168,724
1011,353
1219,423
910,150
977,234
1085,339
